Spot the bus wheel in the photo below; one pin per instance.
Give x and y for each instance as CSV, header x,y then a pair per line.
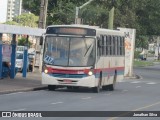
x,y
51,87
97,89
105,87
112,86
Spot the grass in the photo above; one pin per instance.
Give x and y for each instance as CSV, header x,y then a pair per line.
x,y
143,63
156,60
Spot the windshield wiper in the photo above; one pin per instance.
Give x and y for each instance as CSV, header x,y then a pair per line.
x,y
88,50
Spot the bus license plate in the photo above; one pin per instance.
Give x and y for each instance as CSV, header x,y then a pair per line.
x,y
67,81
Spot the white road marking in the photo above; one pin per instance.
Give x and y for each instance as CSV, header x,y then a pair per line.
x,y
86,98
135,82
124,91
108,94
19,109
151,83
14,93
56,103
138,86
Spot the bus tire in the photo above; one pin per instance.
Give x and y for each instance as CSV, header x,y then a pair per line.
x,y
97,89
51,87
105,87
112,86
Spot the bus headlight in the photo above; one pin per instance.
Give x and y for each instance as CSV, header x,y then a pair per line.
x,y
90,73
46,71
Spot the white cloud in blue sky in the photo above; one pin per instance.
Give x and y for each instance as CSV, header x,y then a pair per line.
x,y
3,10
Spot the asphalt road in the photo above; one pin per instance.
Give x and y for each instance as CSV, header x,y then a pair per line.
x,y
130,95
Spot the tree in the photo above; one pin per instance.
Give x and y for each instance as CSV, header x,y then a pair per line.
x,y
141,15
26,19
11,23
142,42
22,42
32,5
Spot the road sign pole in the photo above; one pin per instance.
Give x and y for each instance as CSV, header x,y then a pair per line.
x,y
13,57
0,55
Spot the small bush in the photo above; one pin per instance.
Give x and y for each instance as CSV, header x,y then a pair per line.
x,y
151,52
136,54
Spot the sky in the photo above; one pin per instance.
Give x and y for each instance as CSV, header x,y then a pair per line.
x,y
3,10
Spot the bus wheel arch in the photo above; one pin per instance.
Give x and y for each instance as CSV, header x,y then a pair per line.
x,y
51,87
111,87
98,87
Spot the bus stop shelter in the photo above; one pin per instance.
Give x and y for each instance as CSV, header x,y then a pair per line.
x,y
17,30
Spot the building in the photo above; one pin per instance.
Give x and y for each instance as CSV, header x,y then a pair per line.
x,y
3,9
14,8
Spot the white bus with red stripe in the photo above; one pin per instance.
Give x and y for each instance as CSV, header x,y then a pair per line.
x,y
82,56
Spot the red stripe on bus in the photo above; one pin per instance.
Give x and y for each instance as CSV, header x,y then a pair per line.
x,y
85,71
108,69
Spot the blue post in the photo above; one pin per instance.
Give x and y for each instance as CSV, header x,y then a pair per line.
x,y
25,59
13,57
0,55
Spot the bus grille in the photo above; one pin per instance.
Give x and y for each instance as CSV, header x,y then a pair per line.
x,y
69,75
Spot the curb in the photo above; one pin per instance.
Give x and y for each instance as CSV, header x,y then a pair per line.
x,y
24,90
135,77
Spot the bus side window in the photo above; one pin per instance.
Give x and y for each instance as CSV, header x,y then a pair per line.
x,y
99,47
109,45
118,45
106,44
122,46
112,45
102,47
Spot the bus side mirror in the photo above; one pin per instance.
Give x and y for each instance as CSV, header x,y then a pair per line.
x,y
41,40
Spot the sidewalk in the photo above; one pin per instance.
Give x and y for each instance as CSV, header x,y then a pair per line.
x,y
20,84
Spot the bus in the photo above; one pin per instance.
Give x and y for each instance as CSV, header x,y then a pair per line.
x,y
82,56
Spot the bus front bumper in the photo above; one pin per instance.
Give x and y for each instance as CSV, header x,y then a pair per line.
x,y
88,81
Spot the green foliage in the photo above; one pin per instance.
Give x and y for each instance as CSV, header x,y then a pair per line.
x,y
22,42
26,19
143,63
11,23
136,54
151,52
32,5
141,15
63,13
142,42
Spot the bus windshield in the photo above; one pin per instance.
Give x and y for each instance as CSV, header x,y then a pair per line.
x,y
69,51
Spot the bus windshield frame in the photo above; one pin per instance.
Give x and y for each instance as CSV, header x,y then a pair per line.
x,y
69,51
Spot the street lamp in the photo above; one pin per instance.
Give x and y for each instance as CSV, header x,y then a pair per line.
x,y
77,11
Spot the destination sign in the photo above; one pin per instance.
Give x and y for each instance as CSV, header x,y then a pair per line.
x,y
71,31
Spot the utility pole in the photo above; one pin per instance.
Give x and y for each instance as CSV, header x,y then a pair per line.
x,y
41,24
111,16
77,21
43,14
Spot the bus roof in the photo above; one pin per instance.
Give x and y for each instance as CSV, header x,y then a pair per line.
x,y
99,31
